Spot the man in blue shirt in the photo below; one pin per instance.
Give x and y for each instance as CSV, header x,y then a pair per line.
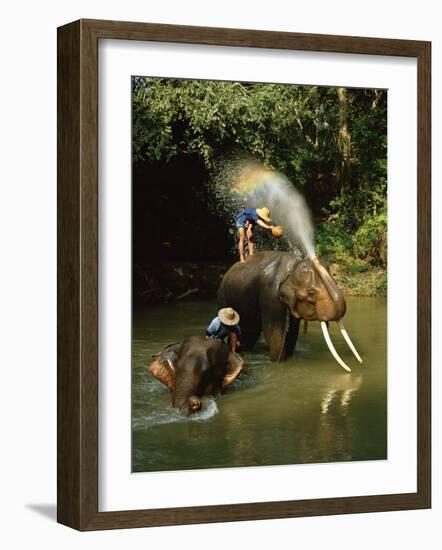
x,y
225,327
245,221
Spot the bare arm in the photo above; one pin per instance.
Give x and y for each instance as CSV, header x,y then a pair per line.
x,y
234,341
264,225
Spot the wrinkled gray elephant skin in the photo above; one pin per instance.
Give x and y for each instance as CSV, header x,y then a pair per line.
x,y
272,291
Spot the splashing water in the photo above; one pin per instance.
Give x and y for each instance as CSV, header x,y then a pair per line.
x,y
170,415
248,184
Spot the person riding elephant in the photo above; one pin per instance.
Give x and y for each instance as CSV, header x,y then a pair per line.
x,y
193,368
273,291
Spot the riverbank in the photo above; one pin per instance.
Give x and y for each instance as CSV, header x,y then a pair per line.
x,y
168,282
359,278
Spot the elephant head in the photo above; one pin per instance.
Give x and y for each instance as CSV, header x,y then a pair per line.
x,y
193,368
311,293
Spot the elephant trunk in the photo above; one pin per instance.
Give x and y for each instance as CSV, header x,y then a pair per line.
x,y
332,289
187,404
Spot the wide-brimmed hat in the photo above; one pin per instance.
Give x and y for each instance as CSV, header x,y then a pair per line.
x,y
264,213
228,316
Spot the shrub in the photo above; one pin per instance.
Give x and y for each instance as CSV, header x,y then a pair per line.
x,y
370,240
332,241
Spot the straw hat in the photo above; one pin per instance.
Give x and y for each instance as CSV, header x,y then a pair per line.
x,y
277,231
228,316
264,213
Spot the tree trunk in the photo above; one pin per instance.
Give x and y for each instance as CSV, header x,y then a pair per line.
x,y
344,140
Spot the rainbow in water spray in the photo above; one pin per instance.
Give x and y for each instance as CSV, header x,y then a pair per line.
x,y
261,186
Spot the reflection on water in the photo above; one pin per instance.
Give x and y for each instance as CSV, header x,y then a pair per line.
x,y
302,411
340,389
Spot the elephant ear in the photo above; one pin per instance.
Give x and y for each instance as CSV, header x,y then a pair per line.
x,y
287,269
235,364
163,365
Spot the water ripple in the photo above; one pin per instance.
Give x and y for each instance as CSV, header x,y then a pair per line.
x,y
171,415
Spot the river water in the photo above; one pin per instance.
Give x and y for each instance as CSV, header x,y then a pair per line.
x,y
306,410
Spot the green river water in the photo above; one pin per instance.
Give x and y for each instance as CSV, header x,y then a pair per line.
x,y
306,410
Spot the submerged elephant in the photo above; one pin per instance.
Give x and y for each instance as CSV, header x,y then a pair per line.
x,y
195,367
272,291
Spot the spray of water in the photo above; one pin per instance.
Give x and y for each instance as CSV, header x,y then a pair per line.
x,y
170,415
288,208
242,184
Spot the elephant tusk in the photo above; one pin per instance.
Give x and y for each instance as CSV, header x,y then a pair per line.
x,y
331,346
349,342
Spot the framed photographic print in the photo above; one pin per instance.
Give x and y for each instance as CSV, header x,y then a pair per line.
x,y
231,206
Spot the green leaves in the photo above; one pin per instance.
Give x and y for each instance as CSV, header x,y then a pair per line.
x,y
370,240
295,129
214,118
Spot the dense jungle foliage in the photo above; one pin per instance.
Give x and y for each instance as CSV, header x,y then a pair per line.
x,y
330,142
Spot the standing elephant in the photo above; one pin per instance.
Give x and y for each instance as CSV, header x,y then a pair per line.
x,y
272,291
195,367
